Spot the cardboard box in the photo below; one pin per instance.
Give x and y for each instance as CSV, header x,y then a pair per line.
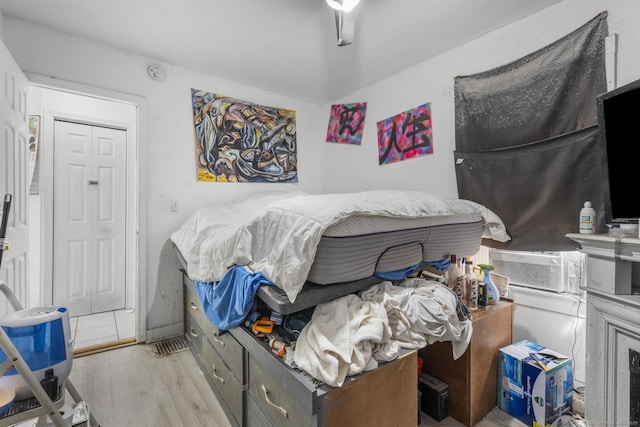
x,y
535,384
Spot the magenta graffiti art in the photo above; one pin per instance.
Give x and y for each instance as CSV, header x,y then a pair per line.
x,y
406,135
346,123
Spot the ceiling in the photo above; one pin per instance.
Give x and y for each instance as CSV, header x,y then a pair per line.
x,y
284,46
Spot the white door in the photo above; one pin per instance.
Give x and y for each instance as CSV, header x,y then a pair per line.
x,y
89,218
13,176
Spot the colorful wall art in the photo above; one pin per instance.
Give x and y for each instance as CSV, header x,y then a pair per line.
x,y
238,141
406,135
346,123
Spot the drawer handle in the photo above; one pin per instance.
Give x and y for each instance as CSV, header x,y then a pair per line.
x,y
214,374
279,408
193,333
218,341
193,306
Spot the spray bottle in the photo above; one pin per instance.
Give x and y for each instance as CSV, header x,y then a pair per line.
x,y
493,294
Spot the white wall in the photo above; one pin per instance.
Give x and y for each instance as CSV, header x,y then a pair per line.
x,y
557,322
167,144
168,132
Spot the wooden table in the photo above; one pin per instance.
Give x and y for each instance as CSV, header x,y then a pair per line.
x,y
473,377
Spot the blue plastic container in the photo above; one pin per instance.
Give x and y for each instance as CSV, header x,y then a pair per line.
x,y
42,337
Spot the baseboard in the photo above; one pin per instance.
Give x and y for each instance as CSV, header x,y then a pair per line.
x,y
98,348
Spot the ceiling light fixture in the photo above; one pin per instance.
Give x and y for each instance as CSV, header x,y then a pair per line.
x,y
345,27
343,5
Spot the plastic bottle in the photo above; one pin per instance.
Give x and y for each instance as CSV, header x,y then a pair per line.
x,y
453,272
482,294
587,219
493,293
50,384
471,286
459,283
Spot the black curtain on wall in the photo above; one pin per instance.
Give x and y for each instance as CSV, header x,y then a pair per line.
x,y
527,140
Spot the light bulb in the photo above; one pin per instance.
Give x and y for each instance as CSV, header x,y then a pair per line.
x,y
343,5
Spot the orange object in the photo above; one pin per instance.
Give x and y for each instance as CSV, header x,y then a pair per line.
x,y
264,326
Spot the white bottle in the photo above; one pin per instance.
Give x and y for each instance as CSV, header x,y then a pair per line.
x,y
587,219
471,286
453,272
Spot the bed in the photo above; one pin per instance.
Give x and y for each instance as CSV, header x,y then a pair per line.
x,y
339,270
309,249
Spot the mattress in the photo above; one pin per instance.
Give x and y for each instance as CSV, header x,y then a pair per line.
x,y
350,263
357,250
389,246
294,239
310,295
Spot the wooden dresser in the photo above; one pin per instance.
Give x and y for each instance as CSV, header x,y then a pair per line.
x,y
472,378
257,389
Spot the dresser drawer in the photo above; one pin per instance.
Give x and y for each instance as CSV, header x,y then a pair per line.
x,y
231,352
223,379
194,335
193,306
275,391
255,416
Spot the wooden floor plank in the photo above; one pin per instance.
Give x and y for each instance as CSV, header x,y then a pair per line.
x,y
131,386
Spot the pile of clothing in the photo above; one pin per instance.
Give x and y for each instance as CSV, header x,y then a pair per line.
x,y
354,333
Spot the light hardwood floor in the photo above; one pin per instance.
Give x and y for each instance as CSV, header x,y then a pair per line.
x,y
130,386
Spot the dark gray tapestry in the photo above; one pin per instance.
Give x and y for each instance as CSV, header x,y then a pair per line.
x,y
516,151
540,190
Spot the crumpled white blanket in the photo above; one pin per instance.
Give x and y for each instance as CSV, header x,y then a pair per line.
x,y
345,336
352,334
421,312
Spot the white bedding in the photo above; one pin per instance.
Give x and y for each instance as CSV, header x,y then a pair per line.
x,y
278,233
352,334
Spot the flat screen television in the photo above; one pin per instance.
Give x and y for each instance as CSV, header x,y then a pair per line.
x,y
618,124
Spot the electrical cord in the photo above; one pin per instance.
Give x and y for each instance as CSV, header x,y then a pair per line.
x,y
575,335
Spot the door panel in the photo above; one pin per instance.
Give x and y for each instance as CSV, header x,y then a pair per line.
x,y
13,175
89,218
110,230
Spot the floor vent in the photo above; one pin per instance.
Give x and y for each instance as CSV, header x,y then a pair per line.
x,y
169,346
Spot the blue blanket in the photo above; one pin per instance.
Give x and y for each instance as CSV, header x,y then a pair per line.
x,y
227,302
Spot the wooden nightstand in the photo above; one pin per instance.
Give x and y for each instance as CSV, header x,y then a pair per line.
x,y
472,379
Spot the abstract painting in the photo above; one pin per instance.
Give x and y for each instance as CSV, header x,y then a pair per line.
x,y
238,141
406,135
346,123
